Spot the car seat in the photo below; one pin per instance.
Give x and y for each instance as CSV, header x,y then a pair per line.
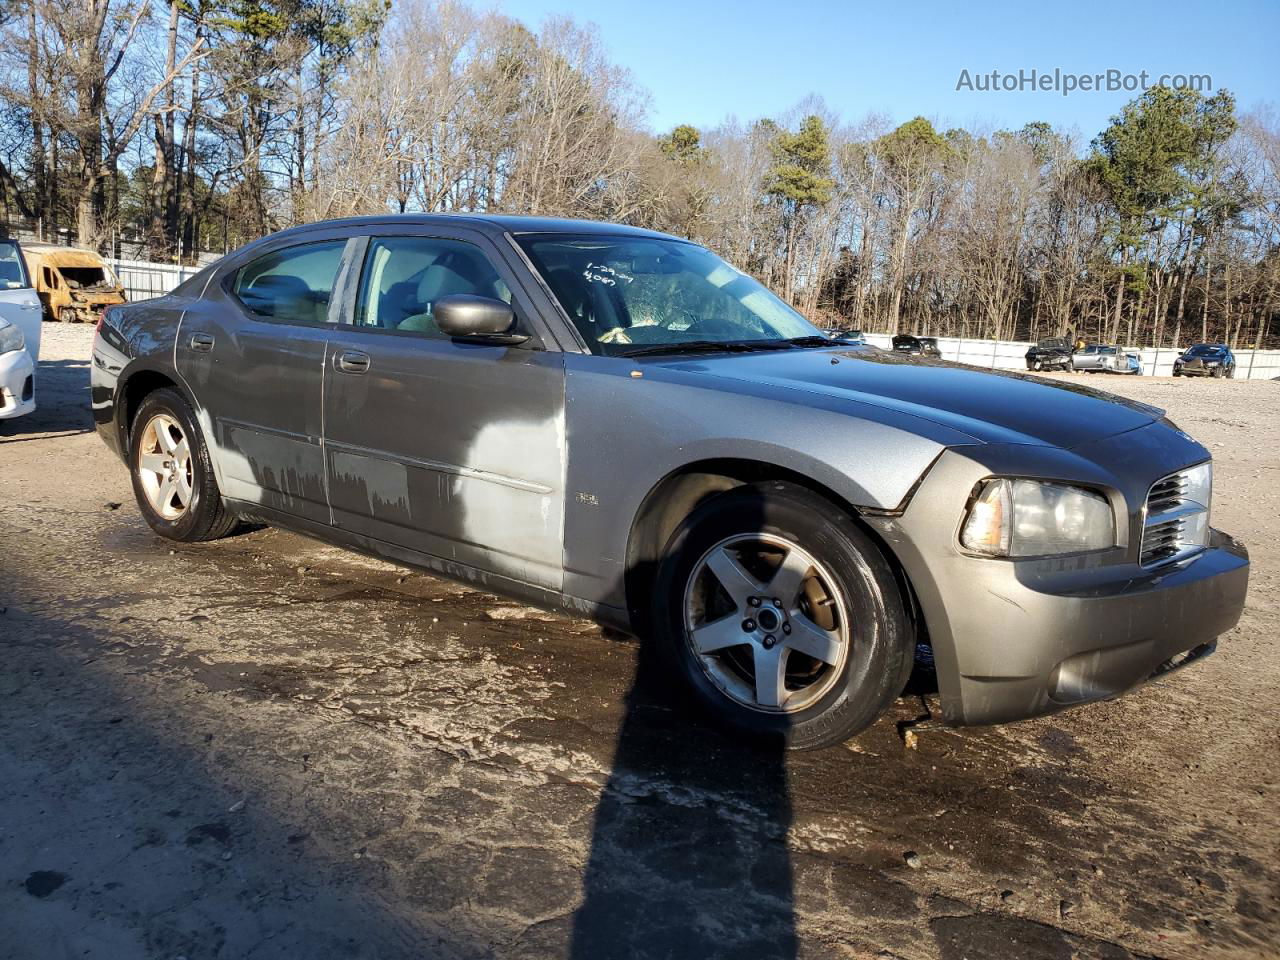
x,y
450,275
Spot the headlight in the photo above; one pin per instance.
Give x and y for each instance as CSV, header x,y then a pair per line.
x,y
1031,518
11,339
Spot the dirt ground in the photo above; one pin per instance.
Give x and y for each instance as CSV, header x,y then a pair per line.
x,y
266,747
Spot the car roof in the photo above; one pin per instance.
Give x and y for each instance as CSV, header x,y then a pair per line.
x,y
494,222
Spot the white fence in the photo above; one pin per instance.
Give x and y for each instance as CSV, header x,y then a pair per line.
x,y
1156,361
143,280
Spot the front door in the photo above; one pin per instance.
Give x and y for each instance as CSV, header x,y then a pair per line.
x,y
252,350
452,449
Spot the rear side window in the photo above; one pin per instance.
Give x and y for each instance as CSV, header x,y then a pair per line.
x,y
13,272
292,285
404,277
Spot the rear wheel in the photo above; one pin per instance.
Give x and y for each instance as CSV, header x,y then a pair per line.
x,y
67,315
173,477
782,617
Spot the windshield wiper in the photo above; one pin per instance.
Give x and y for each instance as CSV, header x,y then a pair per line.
x,y
707,346
814,341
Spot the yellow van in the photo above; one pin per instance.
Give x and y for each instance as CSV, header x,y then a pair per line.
x,y
74,285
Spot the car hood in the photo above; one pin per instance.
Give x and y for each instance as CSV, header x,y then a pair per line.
x,y
991,406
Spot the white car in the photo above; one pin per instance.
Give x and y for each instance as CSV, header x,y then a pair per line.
x,y
19,333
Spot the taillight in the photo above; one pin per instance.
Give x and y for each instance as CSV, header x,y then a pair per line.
x,y
102,315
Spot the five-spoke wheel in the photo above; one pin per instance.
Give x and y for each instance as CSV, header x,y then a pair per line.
x,y
766,622
783,617
164,466
173,477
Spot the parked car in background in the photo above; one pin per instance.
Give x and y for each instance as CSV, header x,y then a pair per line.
x,y
19,332
615,422
1100,358
1133,364
848,336
74,285
1206,360
1052,353
916,346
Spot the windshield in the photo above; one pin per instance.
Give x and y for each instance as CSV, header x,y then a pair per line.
x,y
628,292
1204,350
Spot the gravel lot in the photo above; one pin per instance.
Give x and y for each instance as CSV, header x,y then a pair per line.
x,y
266,747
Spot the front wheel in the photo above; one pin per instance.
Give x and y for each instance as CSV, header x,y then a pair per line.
x,y
173,477
782,617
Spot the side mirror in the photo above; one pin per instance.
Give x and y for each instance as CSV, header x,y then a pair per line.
x,y
481,319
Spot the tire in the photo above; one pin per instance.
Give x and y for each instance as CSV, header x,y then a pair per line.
x,y
165,413
67,315
859,620
1216,373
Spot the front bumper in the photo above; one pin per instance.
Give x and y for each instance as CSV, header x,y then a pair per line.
x,y
1015,639
17,384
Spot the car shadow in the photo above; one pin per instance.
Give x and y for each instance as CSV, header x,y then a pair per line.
x,y
689,853
62,404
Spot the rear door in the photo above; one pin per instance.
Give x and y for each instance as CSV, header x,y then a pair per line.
x,y
452,449
252,350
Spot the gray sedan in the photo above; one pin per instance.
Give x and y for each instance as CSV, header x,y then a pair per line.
x,y
617,423
1100,358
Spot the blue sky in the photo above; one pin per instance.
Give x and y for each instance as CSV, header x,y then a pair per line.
x,y
702,61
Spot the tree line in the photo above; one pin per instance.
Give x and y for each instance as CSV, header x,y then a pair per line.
x,y
196,125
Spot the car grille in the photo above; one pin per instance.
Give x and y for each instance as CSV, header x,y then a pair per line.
x,y
1174,526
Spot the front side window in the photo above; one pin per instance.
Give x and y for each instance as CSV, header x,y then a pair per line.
x,y
404,278
13,272
292,285
625,293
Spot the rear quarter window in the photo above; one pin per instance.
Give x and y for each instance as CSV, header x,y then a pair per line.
x,y
292,285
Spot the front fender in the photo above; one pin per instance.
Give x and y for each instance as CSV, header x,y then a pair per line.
x,y
627,433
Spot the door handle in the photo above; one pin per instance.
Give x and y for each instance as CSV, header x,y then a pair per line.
x,y
350,361
202,342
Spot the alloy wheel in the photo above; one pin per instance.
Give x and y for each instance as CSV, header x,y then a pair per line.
x,y
765,622
164,466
